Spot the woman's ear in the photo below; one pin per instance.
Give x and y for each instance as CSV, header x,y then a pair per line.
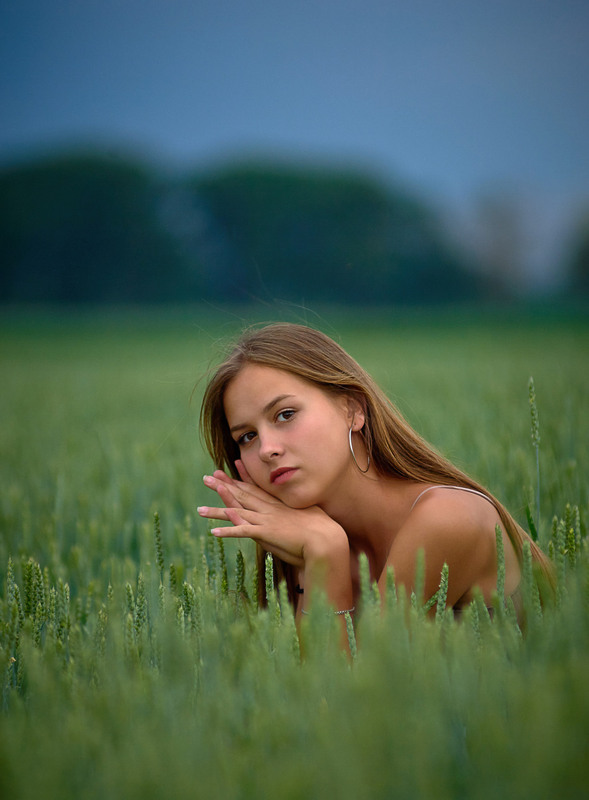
x,y
356,413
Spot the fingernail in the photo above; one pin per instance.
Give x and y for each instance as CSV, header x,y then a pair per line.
x,y
216,531
202,509
208,480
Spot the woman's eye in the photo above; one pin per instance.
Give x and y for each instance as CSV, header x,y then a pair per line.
x,y
284,416
245,438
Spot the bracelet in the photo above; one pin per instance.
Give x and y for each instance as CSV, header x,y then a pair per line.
x,y
345,611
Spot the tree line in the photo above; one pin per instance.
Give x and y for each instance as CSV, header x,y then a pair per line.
x,y
89,227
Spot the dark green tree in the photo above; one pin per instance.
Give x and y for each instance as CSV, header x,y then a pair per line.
x,y
86,228
327,235
89,227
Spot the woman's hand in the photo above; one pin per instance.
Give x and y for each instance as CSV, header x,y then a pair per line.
x,y
297,536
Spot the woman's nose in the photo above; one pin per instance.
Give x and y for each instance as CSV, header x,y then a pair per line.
x,y
270,445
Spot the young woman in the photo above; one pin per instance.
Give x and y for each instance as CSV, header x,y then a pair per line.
x,y
317,466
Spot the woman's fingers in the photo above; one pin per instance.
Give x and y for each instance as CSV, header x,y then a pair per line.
x,y
247,524
241,469
219,475
255,514
235,495
233,492
222,484
238,516
249,531
228,495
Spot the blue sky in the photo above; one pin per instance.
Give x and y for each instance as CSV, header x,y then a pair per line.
x,y
453,98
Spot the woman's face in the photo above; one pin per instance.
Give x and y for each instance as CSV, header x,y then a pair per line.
x,y
292,436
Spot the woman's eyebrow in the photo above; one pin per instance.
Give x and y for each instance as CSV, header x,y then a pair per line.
x,y
265,410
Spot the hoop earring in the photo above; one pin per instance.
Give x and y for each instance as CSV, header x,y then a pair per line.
x,y
363,471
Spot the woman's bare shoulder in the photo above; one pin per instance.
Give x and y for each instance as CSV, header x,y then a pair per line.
x,y
453,518
452,527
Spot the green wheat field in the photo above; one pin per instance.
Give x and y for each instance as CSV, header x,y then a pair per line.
x,y
133,661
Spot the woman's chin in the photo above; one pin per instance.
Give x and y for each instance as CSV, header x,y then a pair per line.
x,y
296,500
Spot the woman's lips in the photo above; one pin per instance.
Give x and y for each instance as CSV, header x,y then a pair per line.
x,y
282,475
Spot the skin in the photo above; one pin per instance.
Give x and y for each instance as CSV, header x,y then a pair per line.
x,y
322,513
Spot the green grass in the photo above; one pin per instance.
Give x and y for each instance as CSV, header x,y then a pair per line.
x,y
122,679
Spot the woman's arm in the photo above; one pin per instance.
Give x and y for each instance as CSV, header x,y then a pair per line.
x,y
306,538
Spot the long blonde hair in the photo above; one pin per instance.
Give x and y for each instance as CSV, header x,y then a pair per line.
x,y
395,448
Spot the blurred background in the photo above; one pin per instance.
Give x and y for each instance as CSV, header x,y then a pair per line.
x,y
354,152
